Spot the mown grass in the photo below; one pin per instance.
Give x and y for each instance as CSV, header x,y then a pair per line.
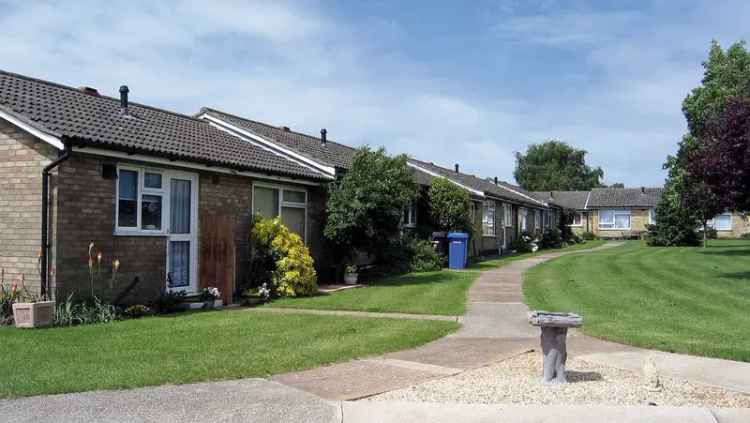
x,y
442,293
687,299
193,347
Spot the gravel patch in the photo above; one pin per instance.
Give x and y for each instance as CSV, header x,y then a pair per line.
x,y
518,381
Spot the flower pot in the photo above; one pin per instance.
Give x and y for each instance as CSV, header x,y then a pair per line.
x,y
351,278
33,315
211,304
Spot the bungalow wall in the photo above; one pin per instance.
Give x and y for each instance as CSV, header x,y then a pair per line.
x,y
86,210
22,158
740,227
639,218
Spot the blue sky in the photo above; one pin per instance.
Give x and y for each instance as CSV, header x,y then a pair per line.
x,y
448,82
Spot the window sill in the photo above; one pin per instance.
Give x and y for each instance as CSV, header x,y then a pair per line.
x,y
138,233
614,229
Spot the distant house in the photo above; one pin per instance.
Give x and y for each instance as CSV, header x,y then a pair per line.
x,y
608,212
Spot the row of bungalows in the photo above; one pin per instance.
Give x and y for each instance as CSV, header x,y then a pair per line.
x,y
624,213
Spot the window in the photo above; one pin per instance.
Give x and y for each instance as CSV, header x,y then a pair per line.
x,y
488,218
652,216
577,219
523,218
537,219
722,222
410,215
508,212
614,219
140,201
291,204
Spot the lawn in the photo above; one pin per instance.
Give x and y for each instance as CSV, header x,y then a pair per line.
x,y
689,300
194,347
442,292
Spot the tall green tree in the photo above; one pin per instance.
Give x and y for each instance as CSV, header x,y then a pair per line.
x,y
365,206
555,165
450,205
726,74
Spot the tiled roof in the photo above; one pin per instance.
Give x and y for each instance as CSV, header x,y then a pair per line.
x,y
625,197
94,120
332,154
503,190
575,200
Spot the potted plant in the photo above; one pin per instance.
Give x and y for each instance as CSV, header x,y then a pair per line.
x,y
211,298
350,274
28,310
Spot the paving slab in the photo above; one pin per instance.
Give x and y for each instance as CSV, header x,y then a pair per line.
x,y
405,412
255,400
734,375
355,379
465,353
496,320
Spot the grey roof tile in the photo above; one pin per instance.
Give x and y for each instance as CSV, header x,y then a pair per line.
x,y
625,197
575,200
332,154
97,121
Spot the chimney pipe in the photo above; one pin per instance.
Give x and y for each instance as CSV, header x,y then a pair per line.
x,y
323,138
456,167
643,190
495,180
124,99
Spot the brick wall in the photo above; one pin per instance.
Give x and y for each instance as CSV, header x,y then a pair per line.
x,y
740,226
86,213
638,222
22,158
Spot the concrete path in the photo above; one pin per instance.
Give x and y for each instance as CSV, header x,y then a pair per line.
x,y
494,328
248,400
355,314
397,412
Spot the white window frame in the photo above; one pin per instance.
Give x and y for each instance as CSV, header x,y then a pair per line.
x,y
283,203
523,219
580,220
712,223
652,216
411,214
615,213
141,190
488,222
537,219
508,215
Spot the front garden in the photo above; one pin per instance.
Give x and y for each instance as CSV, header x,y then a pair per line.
x,y
192,347
684,299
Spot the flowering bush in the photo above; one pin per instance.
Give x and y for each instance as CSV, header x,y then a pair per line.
x,y
210,294
293,273
16,292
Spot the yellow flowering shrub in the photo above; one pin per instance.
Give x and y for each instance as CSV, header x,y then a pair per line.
x,y
294,274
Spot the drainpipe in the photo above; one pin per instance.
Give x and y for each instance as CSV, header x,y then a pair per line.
x,y
43,264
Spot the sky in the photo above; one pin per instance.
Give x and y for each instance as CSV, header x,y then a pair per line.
x,y
443,81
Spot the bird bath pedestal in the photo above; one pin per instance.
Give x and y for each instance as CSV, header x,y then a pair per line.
x,y
554,334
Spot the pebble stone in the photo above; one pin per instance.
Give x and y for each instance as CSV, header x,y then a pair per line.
x,y
519,381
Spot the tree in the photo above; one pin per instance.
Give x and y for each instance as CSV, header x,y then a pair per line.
x,y
365,206
726,74
450,205
720,159
617,185
555,165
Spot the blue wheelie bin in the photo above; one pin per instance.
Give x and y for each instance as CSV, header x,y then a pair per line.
x,y
458,250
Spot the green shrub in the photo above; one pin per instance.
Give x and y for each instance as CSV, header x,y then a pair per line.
x,y
710,233
292,273
588,236
524,244
450,206
422,256
170,302
745,235
551,238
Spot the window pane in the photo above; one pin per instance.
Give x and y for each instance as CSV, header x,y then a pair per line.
x,y
179,214
622,221
607,216
294,196
179,264
294,219
128,201
151,212
152,180
723,222
266,202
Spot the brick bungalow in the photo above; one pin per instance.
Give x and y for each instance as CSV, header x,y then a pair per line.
x,y
501,210
168,195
